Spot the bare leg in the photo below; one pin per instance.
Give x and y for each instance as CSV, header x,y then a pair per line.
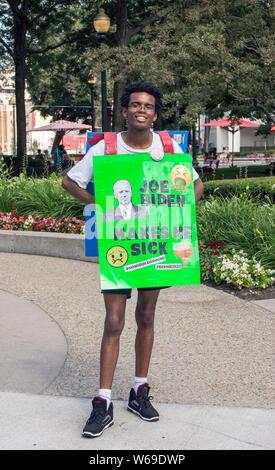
x,y
114,322
145,314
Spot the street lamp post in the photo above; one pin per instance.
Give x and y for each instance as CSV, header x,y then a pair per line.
x,y
102,26
92,82
12,101
195,141
233,131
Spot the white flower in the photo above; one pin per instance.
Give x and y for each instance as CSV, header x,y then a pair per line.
x,y
240,271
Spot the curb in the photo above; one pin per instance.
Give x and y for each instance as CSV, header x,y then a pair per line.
x,y
60,245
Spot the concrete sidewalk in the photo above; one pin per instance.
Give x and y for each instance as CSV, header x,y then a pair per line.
x,y
211,369
56,423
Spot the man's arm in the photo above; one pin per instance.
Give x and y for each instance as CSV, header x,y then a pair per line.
x,y
198,186
79,193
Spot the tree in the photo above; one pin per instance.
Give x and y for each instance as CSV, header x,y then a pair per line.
x,y
25,25
57,80
206,55
230,49
142,14
209,56
130,46
65,71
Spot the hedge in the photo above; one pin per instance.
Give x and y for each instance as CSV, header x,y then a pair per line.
x,y
250,171
256,188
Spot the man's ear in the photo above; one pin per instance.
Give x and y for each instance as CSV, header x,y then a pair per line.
x,y
155,117
124,113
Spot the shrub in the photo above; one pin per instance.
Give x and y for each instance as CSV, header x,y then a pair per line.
x,y
236,172
209,253
255,188
241,224
44,197
222,266
236,269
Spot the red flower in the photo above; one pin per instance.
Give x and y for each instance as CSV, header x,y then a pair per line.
x,y
216,253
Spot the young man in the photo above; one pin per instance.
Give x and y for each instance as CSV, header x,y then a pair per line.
x,y
141,105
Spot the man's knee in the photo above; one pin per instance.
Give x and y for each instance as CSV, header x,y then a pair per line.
x,y
145,318
114,325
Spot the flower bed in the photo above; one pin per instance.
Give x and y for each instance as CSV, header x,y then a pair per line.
x,y
220,263
233,268
13,221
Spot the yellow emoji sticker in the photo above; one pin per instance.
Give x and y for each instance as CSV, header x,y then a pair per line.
x,y
180,177
117,256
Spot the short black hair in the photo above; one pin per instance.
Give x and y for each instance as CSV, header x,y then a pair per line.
x,y
146,87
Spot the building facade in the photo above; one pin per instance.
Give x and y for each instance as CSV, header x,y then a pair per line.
x,y
243,140
8,119
7,115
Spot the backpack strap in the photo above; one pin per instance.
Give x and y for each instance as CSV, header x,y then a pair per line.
x,y
95,139
166,142
110,139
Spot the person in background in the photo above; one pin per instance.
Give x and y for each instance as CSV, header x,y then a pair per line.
x,y
48,159
217,160
39,154
59,153
225,156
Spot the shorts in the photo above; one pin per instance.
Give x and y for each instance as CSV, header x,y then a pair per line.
x,y
129,291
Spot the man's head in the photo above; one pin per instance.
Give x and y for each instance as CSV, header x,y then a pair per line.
x,y
123,192
141,104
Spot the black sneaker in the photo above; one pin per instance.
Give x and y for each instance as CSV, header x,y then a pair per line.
x,y
140,403
100,418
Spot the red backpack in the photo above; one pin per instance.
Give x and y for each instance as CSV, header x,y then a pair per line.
x,y
110,139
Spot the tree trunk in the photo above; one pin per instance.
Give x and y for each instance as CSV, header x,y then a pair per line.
x,y
57,138
206,134
118,119
20,27
121,40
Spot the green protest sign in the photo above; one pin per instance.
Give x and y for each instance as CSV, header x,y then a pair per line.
x,y
146,221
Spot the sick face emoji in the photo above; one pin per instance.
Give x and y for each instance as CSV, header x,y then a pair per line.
x,y
180,177
117,256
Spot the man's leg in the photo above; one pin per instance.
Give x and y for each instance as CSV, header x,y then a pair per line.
x,y
114,322
145,315
139,400
102,414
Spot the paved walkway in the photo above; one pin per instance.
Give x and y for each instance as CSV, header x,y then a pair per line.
x,y
211,369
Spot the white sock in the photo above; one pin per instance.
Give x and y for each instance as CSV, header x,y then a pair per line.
x,y
139,381
106,394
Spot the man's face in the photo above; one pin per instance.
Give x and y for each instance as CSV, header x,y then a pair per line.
x,y
141,111
123,192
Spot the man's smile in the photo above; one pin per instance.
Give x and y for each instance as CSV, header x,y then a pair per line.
x,y
141,118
